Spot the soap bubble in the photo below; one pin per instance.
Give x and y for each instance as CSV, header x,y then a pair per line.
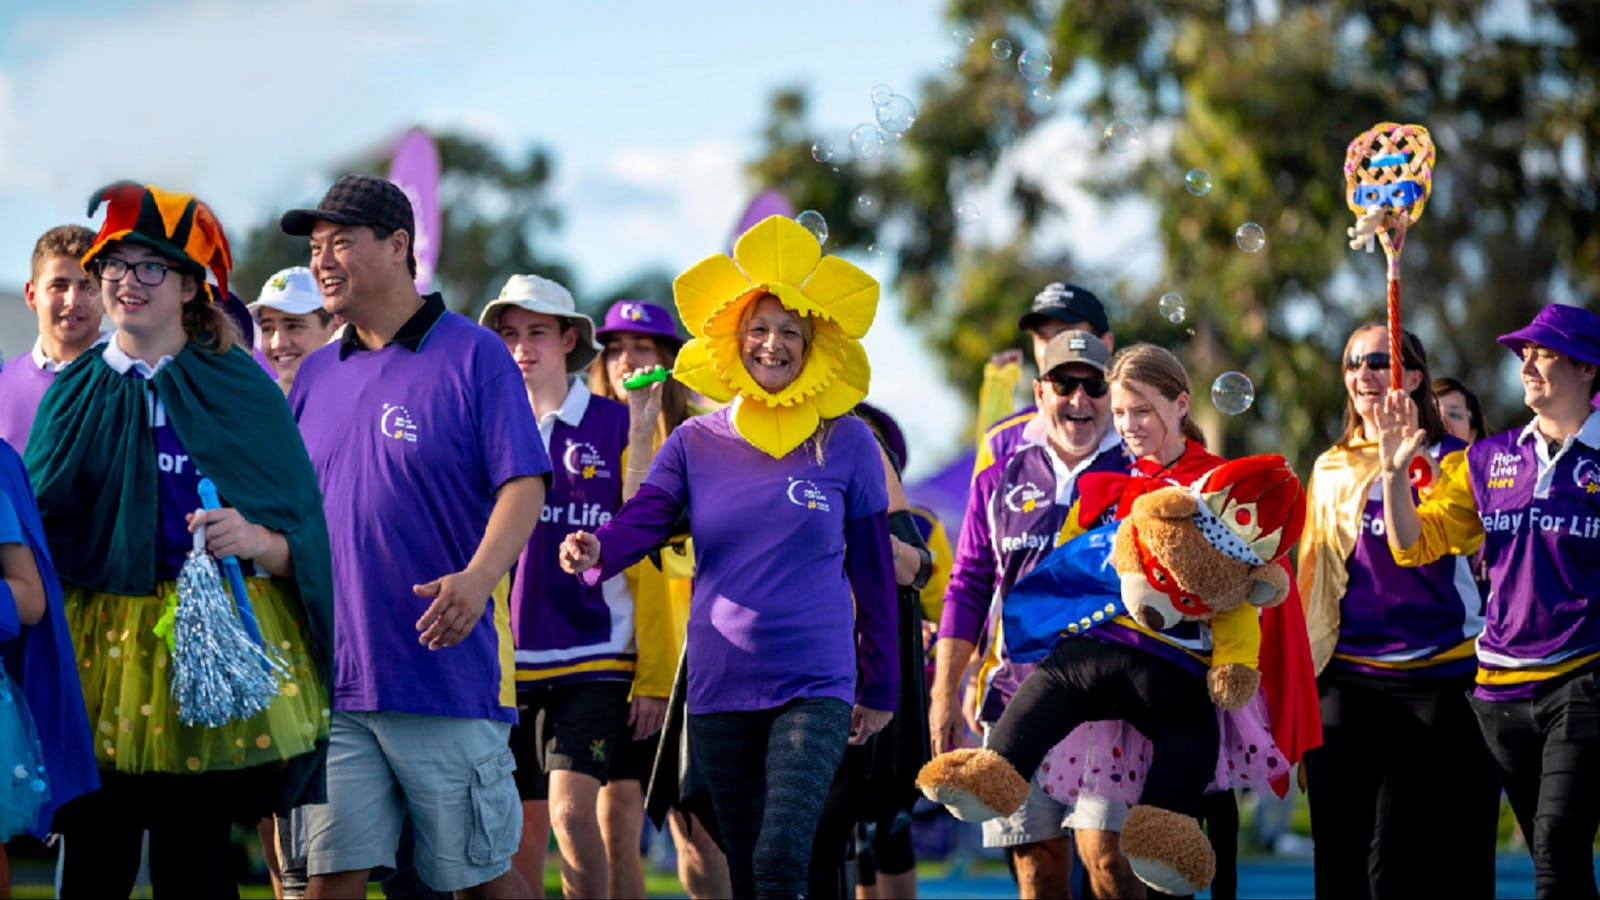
x,y
866,141
814,223
881,94
866,206
1233,393
1171,306
1250,237
1121,136
823,150
874,250
896,115
963,35
1198,182
1001,48
1041,101
1034,64
967,212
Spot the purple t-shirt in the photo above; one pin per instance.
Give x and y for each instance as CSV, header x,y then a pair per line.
x,y
410,447
22,385
771,608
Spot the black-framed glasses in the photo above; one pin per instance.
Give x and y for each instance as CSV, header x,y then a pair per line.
x,y
148,272
1067,385
1377,362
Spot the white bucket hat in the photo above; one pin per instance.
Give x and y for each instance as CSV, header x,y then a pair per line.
x,y
541,295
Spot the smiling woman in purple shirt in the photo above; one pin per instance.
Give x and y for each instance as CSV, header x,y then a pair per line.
x,y
790,651
1531,498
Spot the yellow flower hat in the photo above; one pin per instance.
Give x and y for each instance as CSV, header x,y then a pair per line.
x,y
777,256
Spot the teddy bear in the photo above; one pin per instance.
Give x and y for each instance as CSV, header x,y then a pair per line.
x,y
1209,553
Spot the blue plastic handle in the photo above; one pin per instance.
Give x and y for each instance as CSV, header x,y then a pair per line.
x,y
231,571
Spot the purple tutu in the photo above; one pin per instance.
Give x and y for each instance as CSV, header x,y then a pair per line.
x,y
1110,759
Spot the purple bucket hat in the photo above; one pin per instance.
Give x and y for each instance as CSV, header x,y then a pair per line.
x,y
640,316
1569,330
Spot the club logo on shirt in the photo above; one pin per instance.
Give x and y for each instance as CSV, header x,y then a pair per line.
x,y
584,461
396,422
807,495
1027,497
1586,474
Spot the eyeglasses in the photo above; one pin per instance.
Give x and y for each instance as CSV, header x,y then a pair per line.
x,y
148,272
1377,362
1067,385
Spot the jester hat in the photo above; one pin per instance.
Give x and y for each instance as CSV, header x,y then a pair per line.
x,y
177,226
777,256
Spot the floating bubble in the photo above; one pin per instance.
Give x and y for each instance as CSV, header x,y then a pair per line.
x,y
881,94
1250,237
1198,182
814,223
867,205
1121,136
823,151
1171,306
866,141
896,115
963,35
1034,64
1001,48
874,250
1233,393
949,62
967,212
1040,100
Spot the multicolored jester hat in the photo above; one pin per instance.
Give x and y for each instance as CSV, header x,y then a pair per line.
x,y
777,256
1388,174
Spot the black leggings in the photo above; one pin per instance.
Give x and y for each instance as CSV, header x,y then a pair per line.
x,y
1401,783
1084,680
1547,750
768,772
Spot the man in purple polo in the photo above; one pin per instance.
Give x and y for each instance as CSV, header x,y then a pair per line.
x,y
433,476
1059,307
67,303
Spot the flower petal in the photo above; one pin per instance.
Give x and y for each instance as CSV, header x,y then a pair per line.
x,y
844,293
849,383
706,287
775,430
697,368
777,249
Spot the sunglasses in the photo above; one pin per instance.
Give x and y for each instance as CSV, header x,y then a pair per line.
x,y
1377,362
1095,386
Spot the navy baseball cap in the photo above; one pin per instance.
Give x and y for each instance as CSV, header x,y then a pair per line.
x,y
1066,303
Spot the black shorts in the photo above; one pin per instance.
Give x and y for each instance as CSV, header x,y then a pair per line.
x,y
567,727
634,759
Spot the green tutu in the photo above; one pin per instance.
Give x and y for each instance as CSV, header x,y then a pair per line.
x,y
125,670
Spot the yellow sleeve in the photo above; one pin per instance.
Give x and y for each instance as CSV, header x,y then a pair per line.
x,y
1449,514
653,630
943,558
1236,637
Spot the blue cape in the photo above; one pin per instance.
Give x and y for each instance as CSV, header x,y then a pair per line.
x,y
1073,583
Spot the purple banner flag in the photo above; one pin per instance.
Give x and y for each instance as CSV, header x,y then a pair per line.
x,y
767,203
416,170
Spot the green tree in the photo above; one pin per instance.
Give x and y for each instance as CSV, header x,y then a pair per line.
x,y
496,215
1266,97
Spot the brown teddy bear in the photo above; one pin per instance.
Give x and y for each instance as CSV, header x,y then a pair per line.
x,y
1210,553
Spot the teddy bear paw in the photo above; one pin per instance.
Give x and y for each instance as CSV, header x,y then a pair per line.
x,y
1232,685
1167,850
974,784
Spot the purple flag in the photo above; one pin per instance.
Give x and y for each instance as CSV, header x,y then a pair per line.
x,y
415,170
767,203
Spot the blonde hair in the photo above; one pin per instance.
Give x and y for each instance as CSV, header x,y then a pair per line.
x,y
1157,367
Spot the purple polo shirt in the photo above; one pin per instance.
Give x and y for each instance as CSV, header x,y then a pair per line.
x,y
567,629
1541,523
771,610
22,384
410,442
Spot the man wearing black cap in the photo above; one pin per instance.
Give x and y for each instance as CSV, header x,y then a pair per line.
x,y
1059,307
432,473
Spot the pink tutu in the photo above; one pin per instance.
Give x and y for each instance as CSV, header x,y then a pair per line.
x,y
1109,759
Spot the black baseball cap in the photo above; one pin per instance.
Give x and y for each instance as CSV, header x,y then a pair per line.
x,y
356,200
1066,303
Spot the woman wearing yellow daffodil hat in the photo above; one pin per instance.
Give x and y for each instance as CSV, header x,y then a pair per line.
x,y
788,511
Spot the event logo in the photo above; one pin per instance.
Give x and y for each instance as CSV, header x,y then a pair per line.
x,y
396,422
1587,476
807,495
583,460
633,312
1503,469
1026,498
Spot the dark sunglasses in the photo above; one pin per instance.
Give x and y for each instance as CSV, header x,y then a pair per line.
x,y
1067,385
1377,362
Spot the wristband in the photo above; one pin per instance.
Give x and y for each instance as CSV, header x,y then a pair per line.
x,y
924,571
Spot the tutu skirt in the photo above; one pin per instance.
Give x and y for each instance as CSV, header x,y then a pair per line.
x,y
1110,759
23,785
125,669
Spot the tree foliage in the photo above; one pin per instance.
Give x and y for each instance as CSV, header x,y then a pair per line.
x,y
1266,96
